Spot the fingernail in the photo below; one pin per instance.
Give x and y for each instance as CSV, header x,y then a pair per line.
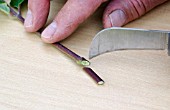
x,y
49,31
117,18
29,19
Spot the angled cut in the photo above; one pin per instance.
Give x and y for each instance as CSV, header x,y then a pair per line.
x,y
113,39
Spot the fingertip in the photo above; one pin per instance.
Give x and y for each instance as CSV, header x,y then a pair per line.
x,y
37,14
52,39
116,18
51,34
106,22
49,41
115,14
28,24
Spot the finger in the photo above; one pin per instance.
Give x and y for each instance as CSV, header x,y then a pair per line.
x,y
120,12
37,14
69,18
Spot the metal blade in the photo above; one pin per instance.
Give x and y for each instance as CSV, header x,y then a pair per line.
x,y
113,39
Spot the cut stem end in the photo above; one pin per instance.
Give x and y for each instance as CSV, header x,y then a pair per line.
x,y
83,62
100,83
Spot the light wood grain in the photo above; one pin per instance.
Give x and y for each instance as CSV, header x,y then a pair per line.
x,y
36,76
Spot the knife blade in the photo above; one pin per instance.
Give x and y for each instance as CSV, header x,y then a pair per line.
x,y
117,38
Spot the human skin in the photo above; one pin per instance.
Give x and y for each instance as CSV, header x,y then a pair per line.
x,y
75,12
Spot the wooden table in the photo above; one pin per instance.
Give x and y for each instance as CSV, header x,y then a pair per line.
x,y
36,76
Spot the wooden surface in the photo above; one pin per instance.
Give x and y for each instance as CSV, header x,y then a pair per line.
x,y
36,76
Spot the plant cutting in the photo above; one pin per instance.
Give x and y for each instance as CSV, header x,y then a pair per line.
x,y
12,7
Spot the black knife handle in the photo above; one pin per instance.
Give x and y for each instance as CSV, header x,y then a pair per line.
x,y
169,45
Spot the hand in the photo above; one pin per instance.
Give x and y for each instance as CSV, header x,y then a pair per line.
x,y
74,12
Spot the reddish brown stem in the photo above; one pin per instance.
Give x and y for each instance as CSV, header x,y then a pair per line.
x,y
93,75
77,58
17,15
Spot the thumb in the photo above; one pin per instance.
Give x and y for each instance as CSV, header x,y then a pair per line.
x,y
120,12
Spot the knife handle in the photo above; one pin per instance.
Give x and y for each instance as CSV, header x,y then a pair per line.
x,y
169,45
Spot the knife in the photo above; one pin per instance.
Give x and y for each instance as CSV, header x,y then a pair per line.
x,y
117,38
